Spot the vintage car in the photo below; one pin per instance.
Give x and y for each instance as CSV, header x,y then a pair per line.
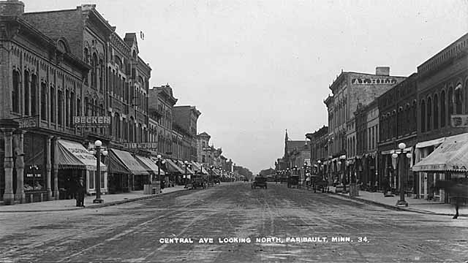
x,y
198,182
260,182
293,181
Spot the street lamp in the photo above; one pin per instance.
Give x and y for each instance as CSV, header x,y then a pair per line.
x,y
97,178
396,156
160,162
211,175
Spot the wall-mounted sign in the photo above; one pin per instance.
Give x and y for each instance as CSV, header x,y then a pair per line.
x,y
369,81
459,120
92,120
142,145
28,122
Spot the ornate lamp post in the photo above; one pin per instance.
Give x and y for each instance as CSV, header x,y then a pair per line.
x,y
160,161
399,170
97,177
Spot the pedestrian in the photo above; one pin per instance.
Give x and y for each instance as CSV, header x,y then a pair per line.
x,y
385,185
80,193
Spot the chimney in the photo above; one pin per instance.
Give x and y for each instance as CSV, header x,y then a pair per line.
x,y
385,71
11,8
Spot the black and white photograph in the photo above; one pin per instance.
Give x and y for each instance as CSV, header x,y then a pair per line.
x,y
233,131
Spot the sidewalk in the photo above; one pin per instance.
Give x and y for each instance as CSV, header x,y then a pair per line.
x,y
414,205
70,204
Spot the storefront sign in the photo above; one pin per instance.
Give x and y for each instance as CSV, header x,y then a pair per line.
x,y
28,122
92,121
142,145
459,120
369,81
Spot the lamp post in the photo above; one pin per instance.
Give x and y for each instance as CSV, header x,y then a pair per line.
x,y
160,161
342,163
185,176
97,178
211,174
305,170
396,156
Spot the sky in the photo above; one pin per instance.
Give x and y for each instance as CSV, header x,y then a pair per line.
x,y
255,68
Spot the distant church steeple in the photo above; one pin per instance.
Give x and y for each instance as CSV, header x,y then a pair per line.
x,y
286,144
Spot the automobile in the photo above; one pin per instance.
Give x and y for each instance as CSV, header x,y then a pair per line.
x,y
260,182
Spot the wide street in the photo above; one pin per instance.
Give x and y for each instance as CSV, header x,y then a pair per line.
x,y
233,223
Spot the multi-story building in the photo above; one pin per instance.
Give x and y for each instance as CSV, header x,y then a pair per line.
x,y
186,118
442,98
41,90
349,90
318,142
364,166
203,148
84,83
398,124
161,104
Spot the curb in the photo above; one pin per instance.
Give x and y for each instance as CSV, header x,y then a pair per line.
x,y
397,208
112,203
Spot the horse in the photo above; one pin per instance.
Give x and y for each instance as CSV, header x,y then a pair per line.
x,y
457,191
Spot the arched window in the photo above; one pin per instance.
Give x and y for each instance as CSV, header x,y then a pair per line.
x,y
34,95
443,109
458,99
15,93
60,107
43,101
53,110
436,112
414,123
429,114
26,92
94,65
450,102
86,59
423,116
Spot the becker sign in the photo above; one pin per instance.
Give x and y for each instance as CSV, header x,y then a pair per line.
x,y
92,120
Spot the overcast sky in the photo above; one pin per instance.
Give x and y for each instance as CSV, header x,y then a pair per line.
x,y
256,68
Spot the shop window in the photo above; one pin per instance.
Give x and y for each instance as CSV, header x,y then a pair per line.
x,y
92,174
33,179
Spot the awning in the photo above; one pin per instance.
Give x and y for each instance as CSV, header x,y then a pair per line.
x,y
198,168
73,155
125,160
182,166
150,166
430,143
451,155
173,168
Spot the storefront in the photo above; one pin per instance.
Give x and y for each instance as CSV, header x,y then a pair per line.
x,y
75,162
449,161
424,179
125,172
175,172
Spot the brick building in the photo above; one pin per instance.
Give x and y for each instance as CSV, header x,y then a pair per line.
x,y
349,90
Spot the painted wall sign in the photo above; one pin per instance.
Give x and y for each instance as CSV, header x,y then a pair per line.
x,y
369,81
141,145
459,120
92,120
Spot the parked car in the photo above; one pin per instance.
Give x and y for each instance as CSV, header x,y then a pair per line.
x,y
259,182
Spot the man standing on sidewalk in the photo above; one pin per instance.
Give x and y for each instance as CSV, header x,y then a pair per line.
x,y
80,193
